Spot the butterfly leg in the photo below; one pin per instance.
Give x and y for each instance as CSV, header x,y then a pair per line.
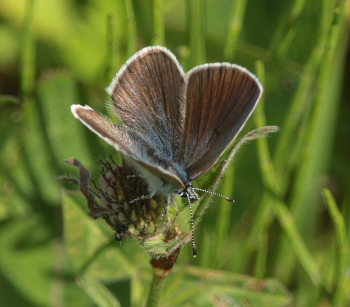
x,y
165,208
146,196
170,202
132,176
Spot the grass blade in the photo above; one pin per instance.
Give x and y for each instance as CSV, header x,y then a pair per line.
x,y
112,60
341,277
130,28
196,24
316,145
98,292
234,28
28,49
287,29
158,22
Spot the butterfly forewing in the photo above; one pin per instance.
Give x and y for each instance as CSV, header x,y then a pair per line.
x,y
115,135
219,100
137,150
148,96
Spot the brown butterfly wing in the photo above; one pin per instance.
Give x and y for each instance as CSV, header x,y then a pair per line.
x,y
134,148
148,96
219,100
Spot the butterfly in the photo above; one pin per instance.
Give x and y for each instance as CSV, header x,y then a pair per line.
x,y
175,125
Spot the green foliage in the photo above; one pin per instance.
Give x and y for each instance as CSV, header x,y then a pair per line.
x,y
280,243
98,293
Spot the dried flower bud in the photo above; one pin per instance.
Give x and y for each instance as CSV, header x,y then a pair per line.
x,y
121,199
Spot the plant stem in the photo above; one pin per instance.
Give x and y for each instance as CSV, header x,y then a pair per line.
x,y
162,267
158,22
155,290
130,27
196,24
27,56
111,49
235,26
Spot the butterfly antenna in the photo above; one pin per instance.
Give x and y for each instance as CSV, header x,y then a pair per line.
x,y
194,249
216,194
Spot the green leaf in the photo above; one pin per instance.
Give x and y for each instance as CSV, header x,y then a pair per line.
x,y
11,201
341,276
98,292
36,167
63,134
88,247
25,270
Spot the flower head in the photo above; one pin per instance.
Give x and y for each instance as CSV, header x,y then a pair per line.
x,y
121,198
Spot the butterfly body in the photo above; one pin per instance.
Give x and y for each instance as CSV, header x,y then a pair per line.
x,y
158,185
175,125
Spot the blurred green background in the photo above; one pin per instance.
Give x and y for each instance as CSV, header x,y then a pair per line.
x,y
285,241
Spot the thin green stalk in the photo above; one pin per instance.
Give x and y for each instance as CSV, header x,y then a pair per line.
x,y
320,127
137,290
287,223
113,57
131,37
287,29
341,278
155,291
234,28
196,24
269,203
223,217
260,263
280,209
296,112
314,155
115,38
27,56
111,49
97,292
303,96
263,219
8,99
267,169
158,22
295,240
270,179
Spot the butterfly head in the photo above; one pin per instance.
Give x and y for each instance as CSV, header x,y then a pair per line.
x,y
189,193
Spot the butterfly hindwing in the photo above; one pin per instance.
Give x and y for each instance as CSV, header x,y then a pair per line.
x,y
219,100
